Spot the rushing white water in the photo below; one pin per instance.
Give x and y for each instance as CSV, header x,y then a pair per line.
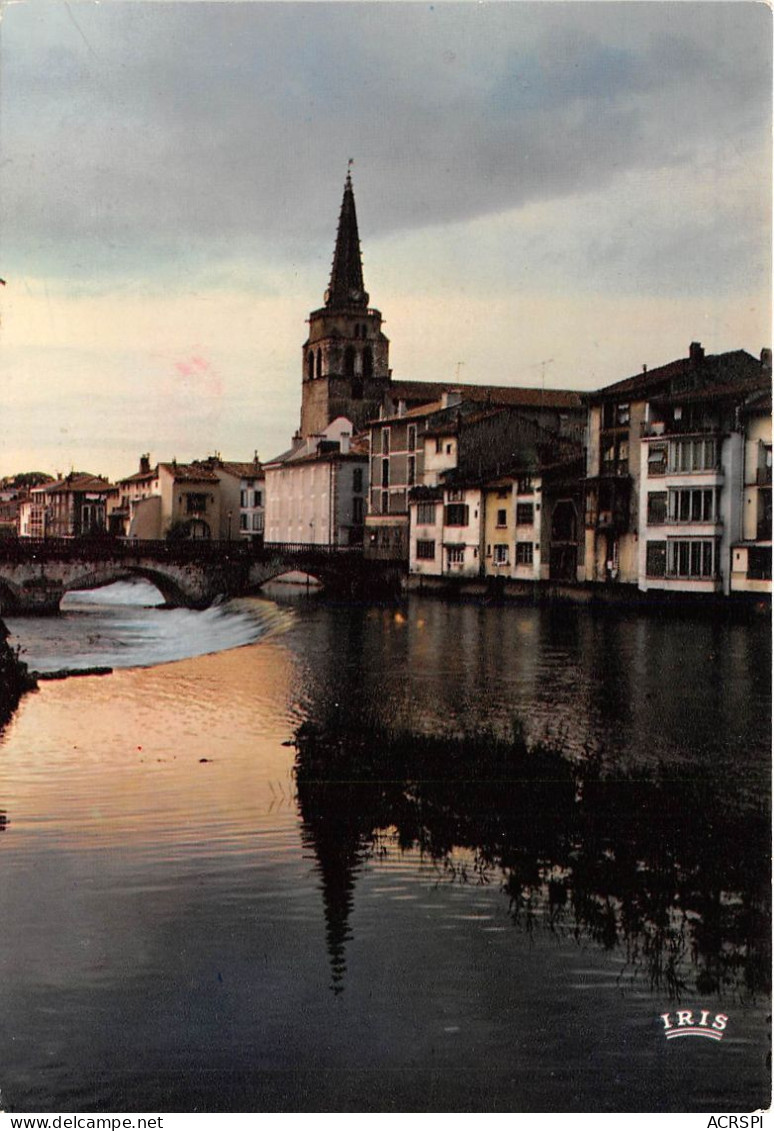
x,y
124,625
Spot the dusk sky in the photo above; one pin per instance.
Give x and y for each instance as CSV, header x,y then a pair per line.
x,y
584,185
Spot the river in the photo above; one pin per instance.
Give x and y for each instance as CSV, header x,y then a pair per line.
x,y
271,864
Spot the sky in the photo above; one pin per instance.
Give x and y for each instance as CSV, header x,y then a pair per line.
x,y
547,192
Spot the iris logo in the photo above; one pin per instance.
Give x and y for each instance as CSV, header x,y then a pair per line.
x,y
684,1024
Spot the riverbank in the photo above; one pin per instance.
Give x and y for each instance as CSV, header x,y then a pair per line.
x,y
15,677
589,595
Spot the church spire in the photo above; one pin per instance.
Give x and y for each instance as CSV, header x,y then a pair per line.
x,y
346,285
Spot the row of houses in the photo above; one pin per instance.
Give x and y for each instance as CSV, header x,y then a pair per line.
x,y
209,498
661,481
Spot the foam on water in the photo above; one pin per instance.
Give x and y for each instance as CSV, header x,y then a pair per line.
x,y
124,625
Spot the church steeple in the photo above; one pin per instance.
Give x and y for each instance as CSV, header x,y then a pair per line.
x,y
346,286
346,368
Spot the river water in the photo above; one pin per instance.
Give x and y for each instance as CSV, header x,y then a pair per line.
x,y
271,864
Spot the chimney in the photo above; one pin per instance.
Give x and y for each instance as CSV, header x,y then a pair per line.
x,y
765,358
696,353
145,464
450,398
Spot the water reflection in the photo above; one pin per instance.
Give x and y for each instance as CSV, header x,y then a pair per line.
x,y
665,865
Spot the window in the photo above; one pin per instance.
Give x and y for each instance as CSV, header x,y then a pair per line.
x,y
243,497
456,514
693,455
655,559
657,459
385,473
385,441
759,563
502,517
385,503
412,470
501,553
657,508
456,496
690,558
615,415
357,510
357,480
524,486
425,550
448,449
243,522
257,522
257,498
524,553
368,362
412,437
195,503
425,513
525,514
455,555
692,505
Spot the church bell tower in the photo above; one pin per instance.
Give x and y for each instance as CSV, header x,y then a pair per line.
x,y
346,356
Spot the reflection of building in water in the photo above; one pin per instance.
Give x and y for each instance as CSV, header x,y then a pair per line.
x,y
336,831
606,856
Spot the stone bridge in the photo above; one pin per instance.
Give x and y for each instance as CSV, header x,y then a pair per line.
x,y
35,575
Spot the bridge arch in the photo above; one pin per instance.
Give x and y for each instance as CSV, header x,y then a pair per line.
x,y
107,575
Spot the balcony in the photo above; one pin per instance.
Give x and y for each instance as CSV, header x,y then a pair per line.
x,y
614,469
651,428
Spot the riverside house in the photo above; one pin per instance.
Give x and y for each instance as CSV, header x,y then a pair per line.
x,y
661,431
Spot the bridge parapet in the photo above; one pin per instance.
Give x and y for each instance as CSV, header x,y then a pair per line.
x,y
184,550
35,575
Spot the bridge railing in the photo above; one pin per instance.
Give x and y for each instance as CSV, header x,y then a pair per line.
x,y
183,551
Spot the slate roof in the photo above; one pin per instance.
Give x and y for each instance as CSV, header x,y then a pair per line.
x,y
346,284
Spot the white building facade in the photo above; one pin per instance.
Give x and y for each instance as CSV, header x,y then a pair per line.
x,y
316,493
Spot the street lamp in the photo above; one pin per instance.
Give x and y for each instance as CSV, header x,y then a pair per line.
x,y
230,513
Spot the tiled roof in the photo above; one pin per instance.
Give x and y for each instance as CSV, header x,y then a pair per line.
x,y
250,469
79,481
189,473
422,392
240,469
454,422
758,383
141,476
711,367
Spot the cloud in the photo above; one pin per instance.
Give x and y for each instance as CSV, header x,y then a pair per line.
x,y
156,137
